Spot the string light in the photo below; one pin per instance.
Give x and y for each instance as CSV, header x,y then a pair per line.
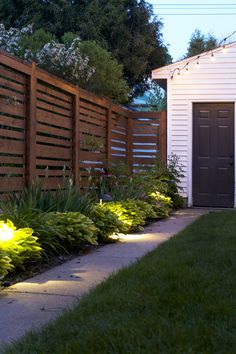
x,y
222,47
224,50
213,57
197,63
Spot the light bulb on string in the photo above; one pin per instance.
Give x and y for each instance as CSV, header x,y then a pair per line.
x,y
224,49
213,57
197,63
187,69
178,74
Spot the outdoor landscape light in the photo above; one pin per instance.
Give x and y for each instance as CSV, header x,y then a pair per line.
x,y
6,231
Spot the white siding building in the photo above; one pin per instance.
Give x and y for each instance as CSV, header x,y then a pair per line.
x,y
201,94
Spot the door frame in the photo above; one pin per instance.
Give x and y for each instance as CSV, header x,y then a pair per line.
x,y
190,145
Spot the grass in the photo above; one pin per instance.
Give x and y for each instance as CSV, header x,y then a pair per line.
x,y
178,299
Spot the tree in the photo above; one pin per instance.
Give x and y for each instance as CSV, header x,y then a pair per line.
x,y
130,32
125,28
200,43
108,76
157,98
83,63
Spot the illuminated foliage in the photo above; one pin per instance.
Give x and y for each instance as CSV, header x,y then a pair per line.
x,y
20,245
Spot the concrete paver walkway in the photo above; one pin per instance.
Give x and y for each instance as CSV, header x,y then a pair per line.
x,y
38,300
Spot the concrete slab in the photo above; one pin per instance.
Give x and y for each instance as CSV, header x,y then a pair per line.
x,y
40,299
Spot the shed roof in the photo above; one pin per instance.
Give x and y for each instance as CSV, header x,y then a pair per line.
x,y
165,71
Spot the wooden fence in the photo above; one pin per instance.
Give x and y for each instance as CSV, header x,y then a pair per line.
x,y
50,129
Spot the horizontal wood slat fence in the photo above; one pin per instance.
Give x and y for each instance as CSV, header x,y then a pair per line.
x,y
50,129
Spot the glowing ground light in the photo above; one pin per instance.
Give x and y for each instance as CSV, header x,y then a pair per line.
x,y
6,230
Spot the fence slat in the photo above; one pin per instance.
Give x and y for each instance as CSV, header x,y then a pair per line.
x,y
50,128
31,126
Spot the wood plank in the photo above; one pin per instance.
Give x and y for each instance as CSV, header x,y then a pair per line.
x,y
150,130
14,62
18,110
41,87
51,140
53,130
84,165
52,183
10,160
117,109
54,100
56,110
12,146
163,136
54,119
118,136
129,144
55,81
11,170
13,86
53,173
92,156
11,183
52,152
91,106
76,139
55,163
95,117
89,96
12,133
143,161
31,127
118,145
92,129
145,139
12,122
13,75
12,95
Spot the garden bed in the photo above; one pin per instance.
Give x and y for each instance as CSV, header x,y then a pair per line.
x,y
179,298
39,229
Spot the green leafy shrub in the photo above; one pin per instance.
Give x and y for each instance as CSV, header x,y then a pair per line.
x,y
5,264
161,204
19,244
48,235
129,213
106,222
73,228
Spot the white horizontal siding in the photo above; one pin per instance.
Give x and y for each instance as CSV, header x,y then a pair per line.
x,y
211,82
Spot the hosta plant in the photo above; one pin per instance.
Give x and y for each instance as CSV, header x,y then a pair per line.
x,y
106,222
5,264
74,228
129,213
19,244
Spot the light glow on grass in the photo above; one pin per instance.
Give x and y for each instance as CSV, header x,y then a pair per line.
x,y
6,231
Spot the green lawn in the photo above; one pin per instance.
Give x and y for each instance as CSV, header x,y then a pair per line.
x,y
179,299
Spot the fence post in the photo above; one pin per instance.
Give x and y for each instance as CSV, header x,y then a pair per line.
x,y
108,136
163,136
76,139
31,128
130,142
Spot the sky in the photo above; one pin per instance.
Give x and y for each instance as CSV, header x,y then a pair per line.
x,y
210,16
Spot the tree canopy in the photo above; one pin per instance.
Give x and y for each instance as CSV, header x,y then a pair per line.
x,y
200,43
83,63
125,28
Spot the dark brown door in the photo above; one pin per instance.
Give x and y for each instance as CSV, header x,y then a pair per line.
x,y
213,154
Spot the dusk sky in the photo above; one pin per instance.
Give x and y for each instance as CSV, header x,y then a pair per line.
x,y
214,16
